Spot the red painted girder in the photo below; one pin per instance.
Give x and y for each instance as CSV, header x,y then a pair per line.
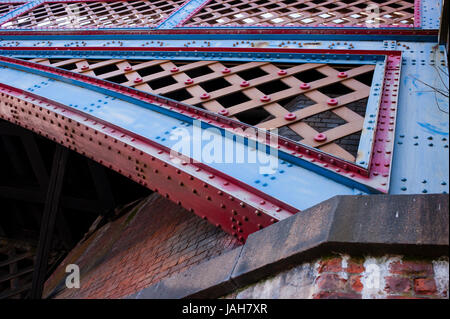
x,y
221,201
378,178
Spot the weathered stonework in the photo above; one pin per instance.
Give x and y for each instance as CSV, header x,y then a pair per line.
x,y
341,276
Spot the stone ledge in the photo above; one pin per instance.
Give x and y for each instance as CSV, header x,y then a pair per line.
x,y
415,225
206,280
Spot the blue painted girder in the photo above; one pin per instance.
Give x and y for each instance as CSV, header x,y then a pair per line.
x,y
291,184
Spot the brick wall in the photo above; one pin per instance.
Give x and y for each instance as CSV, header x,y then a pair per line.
x,y
325,121
387,277
140,248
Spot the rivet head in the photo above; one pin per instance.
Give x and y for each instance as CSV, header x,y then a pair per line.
x,y
282,72
320,137
332,102
226,70
245,84
342,75
137,80
290,117
189,81
305,86
265,98
174,69
205,96
128,68
224,112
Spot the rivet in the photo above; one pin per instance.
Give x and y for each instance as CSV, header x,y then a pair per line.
x,y
265,98
305,86
320,137
332,102
205,96
290,117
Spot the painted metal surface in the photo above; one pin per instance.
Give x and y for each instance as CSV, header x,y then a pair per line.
x,y
342,171
95,14
426,13
145,161
305,13
409,49
412,118
135,118
183,13
20,10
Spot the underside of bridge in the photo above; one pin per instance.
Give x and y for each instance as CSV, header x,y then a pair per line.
x,y
224,148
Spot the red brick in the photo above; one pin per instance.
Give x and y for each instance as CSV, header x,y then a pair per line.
x,y
424,286
330,282
406,297
412,268
355,283
398,284
148,249
330,265
354,267
336,295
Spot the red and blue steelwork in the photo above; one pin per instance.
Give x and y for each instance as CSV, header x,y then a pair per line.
x,y
403,147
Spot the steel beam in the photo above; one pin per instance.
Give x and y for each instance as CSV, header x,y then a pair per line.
x,y
48,221
222,201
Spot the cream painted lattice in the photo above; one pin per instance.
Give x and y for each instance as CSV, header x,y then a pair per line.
x,y
8,7
262,94
95,14
305,13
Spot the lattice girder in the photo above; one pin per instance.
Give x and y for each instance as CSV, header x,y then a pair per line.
x,y
129,71
304,13
96,14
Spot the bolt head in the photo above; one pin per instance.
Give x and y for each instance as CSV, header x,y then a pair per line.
x,y
290,117
332,102
265,98
305,86
320,137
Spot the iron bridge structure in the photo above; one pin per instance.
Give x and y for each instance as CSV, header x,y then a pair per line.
x,y
346,97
